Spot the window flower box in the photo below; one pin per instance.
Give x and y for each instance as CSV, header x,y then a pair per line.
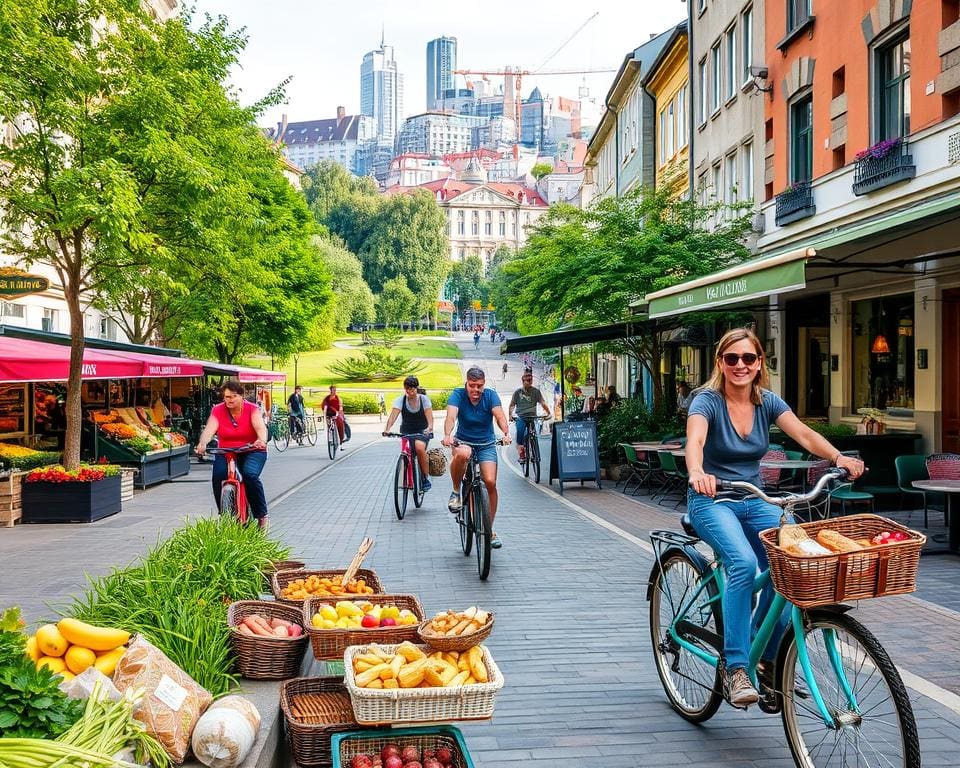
x,y
795,203
886,162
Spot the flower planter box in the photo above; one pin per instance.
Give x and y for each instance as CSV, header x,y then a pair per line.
x,y
71,502
11,506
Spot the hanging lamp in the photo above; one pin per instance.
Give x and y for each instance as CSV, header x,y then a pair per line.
x,y
880,346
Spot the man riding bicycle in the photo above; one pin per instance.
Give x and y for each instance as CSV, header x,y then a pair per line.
x,y
417,419
473,409
523,406
298,414
238,422
476,339
333,409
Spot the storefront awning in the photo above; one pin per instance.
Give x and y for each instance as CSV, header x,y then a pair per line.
x,y
160,366
743,282
258,376
570,337
23,360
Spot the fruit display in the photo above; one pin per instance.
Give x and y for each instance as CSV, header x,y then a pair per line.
x,y
400,755
71,646
261,626
135,429
410,667
361,614
458,623
323,586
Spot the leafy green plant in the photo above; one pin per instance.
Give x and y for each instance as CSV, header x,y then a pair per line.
x,y
31,702
388,337
359,402
375,364
632,421
24,463
439,399
831,430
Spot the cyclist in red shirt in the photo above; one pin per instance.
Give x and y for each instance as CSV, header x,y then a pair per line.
x,y
333,409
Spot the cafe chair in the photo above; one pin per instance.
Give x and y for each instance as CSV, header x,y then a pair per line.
x,y
674,479
910,468
771,476
845,493
943,466
639,468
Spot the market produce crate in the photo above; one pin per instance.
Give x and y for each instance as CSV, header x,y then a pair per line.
x,y
11,499
348,745
314,709
266,658
385,706
885,569
282,578
331,643
280,565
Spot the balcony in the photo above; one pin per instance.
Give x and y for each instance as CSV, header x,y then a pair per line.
x,y
795,203
883,164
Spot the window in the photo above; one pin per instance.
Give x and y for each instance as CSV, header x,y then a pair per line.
x,y
701,6
475,223
108,328
801,140
503,224
717,75
746,153
670,130
702,188
731,192
461,223
893,82
730,73
746,36
488,223
682,118
798,13
883,352
663,136
8,309
716,190
49,320
702,87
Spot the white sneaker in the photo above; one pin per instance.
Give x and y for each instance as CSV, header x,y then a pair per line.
x,y
454,504
740,691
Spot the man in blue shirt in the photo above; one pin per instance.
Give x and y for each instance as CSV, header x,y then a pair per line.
x,y
473,410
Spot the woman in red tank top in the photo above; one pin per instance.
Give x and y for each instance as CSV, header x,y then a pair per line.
x,y
237,422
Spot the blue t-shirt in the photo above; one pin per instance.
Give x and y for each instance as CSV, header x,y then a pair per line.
x,y
725,453
474,422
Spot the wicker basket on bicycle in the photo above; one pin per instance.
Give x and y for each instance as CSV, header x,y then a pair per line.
x,y
266,658
331,643
436,462
875,571
283,579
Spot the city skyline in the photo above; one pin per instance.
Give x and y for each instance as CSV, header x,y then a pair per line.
x,y
325,72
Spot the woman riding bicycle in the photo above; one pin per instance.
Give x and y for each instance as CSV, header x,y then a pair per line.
x,y
237,422
727,435
417,419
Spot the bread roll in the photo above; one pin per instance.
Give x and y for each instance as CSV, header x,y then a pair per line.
x,y
837,541
790,535
807,547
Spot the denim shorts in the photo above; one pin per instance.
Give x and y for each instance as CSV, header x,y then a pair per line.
x,y
486,453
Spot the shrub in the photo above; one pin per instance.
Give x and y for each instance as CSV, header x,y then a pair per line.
x,y
375,364
831,430
629,422
439,399
359,402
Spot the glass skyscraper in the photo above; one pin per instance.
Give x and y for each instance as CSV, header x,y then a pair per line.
x,y
441,61
381,91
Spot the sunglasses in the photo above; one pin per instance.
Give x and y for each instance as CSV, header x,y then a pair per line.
x,y
732,358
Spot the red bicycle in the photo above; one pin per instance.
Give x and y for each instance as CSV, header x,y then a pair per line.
x,y
233,493
408,477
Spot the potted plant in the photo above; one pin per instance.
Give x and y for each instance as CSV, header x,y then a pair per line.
x,y
54,495
880,150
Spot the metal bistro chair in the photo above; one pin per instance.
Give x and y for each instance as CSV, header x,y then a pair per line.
x,y
675,479
844,493
639,468
943,466
771,476
910,468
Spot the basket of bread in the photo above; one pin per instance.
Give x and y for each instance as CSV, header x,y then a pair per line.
x,y
457,630
841,559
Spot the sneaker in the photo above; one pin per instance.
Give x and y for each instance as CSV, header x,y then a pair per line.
x,y
454,504
427,485
740,691
495,542
521,455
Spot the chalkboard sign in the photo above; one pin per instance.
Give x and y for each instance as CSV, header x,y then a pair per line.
x,y
574,454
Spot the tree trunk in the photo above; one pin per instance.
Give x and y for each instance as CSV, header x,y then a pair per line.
x,y
71,446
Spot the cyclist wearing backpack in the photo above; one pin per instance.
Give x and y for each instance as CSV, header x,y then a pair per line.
x,y
416,412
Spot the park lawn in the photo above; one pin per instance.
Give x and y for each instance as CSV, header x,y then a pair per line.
x,y
417,348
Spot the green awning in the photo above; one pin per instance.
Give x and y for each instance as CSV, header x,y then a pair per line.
x,y
735,285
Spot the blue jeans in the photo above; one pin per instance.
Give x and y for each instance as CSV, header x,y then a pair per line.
x,y
521,431
249,465
732,529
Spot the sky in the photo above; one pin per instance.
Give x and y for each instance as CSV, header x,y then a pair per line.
x,y
320,44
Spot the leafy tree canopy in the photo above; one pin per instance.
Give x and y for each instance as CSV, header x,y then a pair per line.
x,y
353,299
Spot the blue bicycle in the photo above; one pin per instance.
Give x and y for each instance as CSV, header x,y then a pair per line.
x,y
840,697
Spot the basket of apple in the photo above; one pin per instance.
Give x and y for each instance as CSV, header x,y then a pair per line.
x,y
333,624
439,746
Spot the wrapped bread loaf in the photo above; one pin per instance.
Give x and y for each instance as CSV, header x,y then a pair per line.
x,y
795,540
837,542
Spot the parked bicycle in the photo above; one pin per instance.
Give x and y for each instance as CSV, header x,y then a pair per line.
x,y
473,518
840,697
408,478
333,437
530,456
233,493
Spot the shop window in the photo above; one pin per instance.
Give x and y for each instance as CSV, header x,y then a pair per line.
x,y
883,353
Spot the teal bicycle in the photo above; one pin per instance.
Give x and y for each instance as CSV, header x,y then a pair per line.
x,y
840,697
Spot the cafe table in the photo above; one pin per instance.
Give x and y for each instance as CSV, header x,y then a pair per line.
x,y
949,488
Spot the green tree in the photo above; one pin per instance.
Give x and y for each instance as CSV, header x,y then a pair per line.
x,y
540,170
588,267
500,285
328,185
466,281
396,302
353,299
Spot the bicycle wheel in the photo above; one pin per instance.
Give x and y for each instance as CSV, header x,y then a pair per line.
x,y
465,521
400,491
534,453
692,685
281,437
229,501
879,730
311,430
525,459
418,492
333,440
480,501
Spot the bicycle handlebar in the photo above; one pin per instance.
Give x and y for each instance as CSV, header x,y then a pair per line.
x,y
217,451
427,435
790,499
457,441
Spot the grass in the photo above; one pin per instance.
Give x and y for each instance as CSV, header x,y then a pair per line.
x,y
418,348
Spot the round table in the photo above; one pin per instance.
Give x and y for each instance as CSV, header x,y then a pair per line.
x,y
791,464
950,488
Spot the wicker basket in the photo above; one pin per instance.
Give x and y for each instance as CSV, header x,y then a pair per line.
x,y
887,569
282,578
280,565
309,735
457,642
266,658
331,643
418,705
346,746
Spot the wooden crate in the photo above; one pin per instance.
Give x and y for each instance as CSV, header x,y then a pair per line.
x,y
11,508
126,483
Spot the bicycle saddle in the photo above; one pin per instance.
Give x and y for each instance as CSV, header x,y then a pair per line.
x,y
687,525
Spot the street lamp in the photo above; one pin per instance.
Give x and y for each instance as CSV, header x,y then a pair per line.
x,y
296,360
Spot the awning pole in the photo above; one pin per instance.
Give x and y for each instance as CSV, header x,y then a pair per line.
x,y
562,388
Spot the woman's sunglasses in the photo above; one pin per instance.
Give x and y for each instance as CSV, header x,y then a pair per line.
x,y
732,358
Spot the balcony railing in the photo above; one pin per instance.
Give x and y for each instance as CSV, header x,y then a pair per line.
x,y
795,203
876,168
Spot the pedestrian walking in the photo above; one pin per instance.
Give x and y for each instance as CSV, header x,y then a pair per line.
x,y
505,368
382,404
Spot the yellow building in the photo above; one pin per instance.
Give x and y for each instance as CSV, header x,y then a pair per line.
x,y
666,81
